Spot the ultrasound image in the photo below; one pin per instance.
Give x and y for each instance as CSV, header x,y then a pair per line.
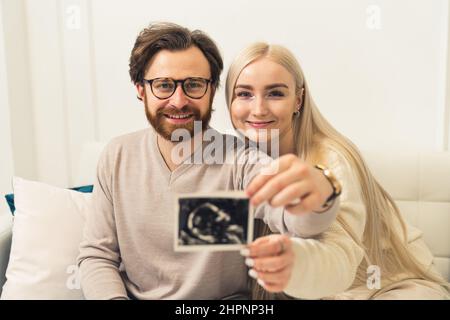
x,y
204,221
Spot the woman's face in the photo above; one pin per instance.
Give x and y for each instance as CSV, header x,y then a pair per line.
x,y
265,99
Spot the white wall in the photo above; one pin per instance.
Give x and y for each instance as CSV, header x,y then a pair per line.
x,y
383,85
6,163
447,102
19,91
390,80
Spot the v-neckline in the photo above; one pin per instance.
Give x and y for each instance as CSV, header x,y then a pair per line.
x,y
170,175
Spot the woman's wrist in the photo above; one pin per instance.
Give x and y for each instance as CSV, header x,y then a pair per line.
x,y
326,206
335,186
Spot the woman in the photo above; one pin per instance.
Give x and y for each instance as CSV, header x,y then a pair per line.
x,y
266,89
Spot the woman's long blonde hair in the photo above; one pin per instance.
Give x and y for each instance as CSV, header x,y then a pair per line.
x,y
311,132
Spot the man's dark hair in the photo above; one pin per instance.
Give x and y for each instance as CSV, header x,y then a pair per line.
x,y
170,36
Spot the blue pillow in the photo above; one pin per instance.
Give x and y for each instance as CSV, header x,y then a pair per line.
x,y
10,197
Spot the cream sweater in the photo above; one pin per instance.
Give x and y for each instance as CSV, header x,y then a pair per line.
x,y
127,248
327,265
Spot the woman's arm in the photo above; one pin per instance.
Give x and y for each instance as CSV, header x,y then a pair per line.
x,y
322,266
289,194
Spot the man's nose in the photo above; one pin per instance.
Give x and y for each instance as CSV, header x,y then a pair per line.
x,y
179,98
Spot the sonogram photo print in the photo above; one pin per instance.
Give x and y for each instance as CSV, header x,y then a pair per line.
x,y
212,221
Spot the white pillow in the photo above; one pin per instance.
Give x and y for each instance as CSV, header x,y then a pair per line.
x,y
47,230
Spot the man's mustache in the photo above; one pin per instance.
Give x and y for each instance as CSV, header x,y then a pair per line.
x,y
174,111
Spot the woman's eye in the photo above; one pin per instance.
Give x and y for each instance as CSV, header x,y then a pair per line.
x,y
243,94
276,93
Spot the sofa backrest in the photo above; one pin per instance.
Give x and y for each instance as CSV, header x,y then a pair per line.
x,y
420,185
418,182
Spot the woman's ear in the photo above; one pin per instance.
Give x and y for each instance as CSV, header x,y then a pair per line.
x,y
140,91
299,100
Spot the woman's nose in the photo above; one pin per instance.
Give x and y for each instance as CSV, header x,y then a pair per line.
x,y
259,107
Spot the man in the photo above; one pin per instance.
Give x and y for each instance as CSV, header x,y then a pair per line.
x,y
127,249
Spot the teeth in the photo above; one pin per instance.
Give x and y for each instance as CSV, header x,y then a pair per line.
x,y
183,116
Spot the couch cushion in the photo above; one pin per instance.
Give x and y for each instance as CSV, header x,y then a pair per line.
x,y
420,185
5,243
47,230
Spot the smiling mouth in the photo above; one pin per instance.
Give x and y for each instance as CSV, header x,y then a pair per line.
x,y
259,124
178,116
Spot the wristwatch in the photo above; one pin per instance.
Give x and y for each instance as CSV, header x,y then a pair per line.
x,y
337,188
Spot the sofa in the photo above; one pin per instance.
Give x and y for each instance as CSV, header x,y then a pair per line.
x,y
419,183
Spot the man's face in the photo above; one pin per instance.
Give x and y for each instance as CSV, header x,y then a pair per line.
x,y
178,111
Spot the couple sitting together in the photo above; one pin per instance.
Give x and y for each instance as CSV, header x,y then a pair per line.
x,y
321,219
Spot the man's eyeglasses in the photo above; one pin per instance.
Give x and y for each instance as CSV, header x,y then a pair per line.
x,y
163,88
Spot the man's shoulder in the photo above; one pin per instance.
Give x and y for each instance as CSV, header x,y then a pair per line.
x,y
129,143
128,139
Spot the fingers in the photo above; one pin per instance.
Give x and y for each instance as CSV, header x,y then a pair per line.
x,y
273,272
277,166
269,246
261,240
256,184
306,205
271,259
270,264
269,287
279,278
270,186
290,194
276,185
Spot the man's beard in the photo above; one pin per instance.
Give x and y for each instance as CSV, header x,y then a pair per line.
x,y
165,129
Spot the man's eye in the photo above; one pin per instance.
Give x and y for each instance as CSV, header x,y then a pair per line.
x,y
276,93
164,85
194,85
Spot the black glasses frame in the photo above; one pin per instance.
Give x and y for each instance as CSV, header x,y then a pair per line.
x,y
182,81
